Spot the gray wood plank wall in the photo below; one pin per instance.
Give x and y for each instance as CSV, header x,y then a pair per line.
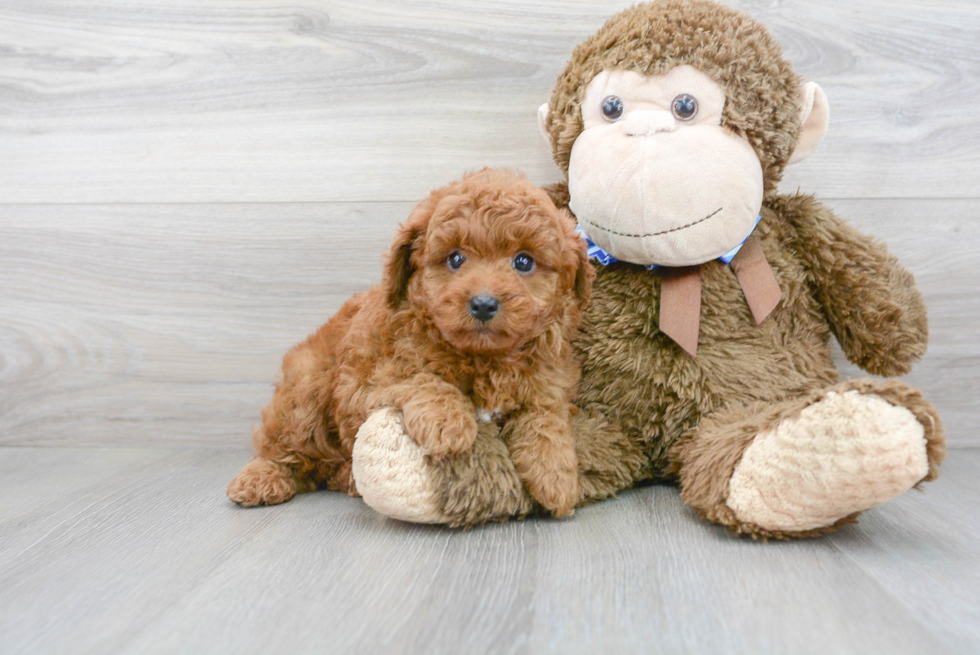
x,y
188,188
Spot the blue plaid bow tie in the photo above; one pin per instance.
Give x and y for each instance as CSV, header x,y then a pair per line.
x,y
605,259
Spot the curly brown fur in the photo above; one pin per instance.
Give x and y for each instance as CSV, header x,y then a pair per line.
x,y
415,343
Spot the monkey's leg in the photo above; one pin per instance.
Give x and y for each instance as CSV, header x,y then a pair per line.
x,y
396,479
394,476
806,466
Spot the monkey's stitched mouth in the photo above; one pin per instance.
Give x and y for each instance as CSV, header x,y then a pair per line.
x,y
654,234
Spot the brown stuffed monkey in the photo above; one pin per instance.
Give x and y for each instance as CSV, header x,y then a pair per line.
x,y
705,350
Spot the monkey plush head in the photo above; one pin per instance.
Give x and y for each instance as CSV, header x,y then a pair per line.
x,y
673,123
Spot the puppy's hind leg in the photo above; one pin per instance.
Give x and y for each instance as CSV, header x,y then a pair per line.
x,y
287,462
262,482
295,452
295,449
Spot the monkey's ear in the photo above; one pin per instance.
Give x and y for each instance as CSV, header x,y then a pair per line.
x,y
398,266
814,119
543,112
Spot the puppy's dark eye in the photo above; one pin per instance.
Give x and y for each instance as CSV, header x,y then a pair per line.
x,y
684,107
612,108
523,263
455,260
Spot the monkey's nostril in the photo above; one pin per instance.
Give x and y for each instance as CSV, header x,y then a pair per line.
x,y
483,307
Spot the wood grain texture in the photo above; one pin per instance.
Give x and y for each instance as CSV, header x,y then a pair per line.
x,y
119,323
124,550
166,324
254,101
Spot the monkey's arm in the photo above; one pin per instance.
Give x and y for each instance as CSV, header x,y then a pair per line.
x,y
869,298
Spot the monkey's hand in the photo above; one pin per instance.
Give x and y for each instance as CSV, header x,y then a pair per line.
x,y
869,298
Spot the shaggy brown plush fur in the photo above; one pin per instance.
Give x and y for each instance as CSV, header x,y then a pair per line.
x,y
651,411
415,343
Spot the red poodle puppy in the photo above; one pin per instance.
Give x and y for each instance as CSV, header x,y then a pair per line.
x,y
480,297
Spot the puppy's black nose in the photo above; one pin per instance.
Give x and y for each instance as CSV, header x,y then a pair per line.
x,y
483,307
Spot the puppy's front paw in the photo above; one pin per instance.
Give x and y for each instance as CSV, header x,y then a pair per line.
x,y
440,426
543,452
557,490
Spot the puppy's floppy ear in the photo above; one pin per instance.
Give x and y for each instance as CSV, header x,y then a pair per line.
x,y
398,266
585,271
584,276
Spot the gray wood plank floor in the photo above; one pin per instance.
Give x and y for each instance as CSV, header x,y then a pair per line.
x,y
137,550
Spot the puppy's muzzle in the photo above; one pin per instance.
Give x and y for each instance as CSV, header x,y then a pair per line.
x,y
484,307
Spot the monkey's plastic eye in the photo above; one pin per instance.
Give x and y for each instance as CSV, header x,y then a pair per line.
x,y
612,108
455,260
523,263
685,107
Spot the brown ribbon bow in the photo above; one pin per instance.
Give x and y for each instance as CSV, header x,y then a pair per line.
x,y
680,294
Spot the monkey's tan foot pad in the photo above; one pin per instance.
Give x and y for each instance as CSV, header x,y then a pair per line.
x,y
391,472
844,454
